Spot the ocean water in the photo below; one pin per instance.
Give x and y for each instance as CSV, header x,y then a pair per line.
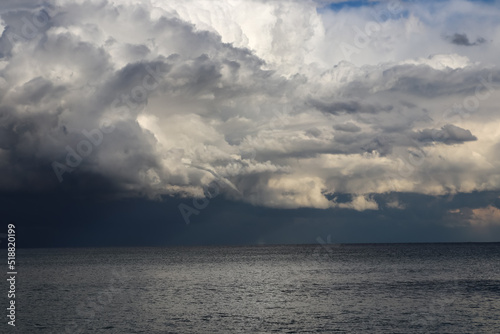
x,y
404,288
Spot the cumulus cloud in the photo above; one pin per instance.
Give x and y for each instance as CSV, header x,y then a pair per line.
x,y
162,98
483,216
489,215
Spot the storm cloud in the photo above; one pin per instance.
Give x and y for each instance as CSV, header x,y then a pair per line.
x,y
156,99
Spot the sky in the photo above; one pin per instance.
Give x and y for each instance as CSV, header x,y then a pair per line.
x,y
126,123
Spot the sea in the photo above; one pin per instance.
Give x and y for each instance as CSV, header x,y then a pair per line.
x,y
323,288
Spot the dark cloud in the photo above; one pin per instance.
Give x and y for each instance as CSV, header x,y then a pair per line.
x,y
448,134
349,107
462,39
423,219
24,24
281,132
193,96
425,81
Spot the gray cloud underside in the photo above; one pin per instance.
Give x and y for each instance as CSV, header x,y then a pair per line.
x,y
462,39
281,138
448,134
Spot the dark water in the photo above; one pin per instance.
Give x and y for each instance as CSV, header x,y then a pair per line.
x,y
424,288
